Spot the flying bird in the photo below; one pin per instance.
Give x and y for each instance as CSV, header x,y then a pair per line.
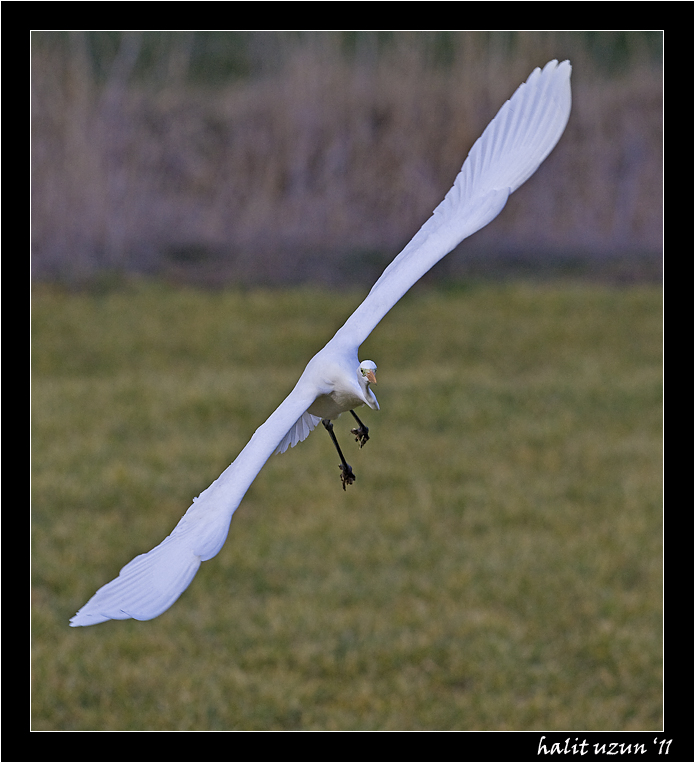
x,y
509,151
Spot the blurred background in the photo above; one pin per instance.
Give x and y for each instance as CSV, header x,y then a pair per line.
x,y
313,157
498,564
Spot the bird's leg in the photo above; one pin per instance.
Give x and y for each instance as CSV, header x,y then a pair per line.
x,y
347,476
361,432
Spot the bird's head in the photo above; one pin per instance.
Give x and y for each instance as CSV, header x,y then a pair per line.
x,y
367,370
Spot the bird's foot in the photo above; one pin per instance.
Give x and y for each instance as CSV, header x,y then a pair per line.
x,y
361,434
347,476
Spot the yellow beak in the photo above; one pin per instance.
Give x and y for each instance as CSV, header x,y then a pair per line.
x,y
371,377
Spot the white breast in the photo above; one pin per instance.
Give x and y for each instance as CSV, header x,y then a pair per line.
x,y
331,406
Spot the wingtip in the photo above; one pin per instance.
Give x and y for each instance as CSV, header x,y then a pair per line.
x,y
80,620
555,64
565,67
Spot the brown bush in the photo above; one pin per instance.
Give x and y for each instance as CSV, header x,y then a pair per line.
x,y
322,166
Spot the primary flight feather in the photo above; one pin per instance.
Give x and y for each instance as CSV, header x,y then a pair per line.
x,y
509,151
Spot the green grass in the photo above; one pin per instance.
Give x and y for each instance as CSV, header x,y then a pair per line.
x,y
496,565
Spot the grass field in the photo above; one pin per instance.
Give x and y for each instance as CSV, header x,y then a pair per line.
x,y
496,565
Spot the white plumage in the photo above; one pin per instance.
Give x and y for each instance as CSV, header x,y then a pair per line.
x,y
508,152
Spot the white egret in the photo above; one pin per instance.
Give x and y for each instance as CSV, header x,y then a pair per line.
x,y
509,151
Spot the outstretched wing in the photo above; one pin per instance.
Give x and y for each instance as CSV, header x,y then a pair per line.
x,y
152,582
508,152
513,145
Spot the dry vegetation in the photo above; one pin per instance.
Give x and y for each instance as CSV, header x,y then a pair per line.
x,y
319,164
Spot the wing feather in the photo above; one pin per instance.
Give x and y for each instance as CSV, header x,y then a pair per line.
x,y
150,583
513,145
303,427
